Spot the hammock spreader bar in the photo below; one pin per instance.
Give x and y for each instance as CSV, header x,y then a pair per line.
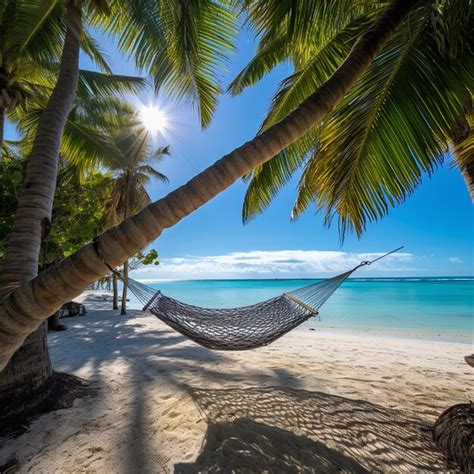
x,y
246,327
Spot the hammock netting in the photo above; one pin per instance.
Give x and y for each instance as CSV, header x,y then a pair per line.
x,y
247,327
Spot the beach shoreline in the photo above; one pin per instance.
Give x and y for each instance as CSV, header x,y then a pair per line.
x,y
165,403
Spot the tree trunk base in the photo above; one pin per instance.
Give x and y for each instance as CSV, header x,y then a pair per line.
x,y
454,434
58,392
27,372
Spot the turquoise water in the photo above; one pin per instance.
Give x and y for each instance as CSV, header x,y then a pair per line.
x,y
423,305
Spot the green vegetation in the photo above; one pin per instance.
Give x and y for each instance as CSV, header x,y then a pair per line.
x,y
78,214
393,127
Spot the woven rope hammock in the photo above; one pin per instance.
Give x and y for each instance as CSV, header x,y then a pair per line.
x,y
242,328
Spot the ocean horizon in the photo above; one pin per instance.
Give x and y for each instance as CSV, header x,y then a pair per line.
x,y
431,307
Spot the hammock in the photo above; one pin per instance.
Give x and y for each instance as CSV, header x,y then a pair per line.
x,y
241,328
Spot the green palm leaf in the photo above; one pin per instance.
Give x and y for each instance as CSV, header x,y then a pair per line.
x,y
394,126
266,58
269,178
182,44
33,29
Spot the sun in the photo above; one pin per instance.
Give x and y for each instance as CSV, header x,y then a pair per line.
x,y
154,119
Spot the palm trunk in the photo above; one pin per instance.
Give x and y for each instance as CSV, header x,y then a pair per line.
x,y
115,291
36,199
24,381
123,309
30,368
24,310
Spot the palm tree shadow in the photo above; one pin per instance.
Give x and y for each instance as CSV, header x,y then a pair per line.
x,y
287,430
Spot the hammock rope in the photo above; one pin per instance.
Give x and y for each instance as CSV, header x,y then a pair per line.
x,y
246,327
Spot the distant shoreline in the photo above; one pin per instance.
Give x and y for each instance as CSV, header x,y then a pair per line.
x,y
413,279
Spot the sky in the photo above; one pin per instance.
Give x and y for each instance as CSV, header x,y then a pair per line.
x,y
435,224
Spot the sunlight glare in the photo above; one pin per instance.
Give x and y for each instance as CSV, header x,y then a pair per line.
x,y
154,119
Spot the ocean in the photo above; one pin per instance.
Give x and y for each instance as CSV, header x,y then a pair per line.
x,y
442,306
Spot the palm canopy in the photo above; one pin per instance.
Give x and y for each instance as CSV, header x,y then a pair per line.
x,y
131,161
98,108
396,124
31,42
182,45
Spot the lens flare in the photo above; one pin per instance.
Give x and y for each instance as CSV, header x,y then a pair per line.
x,y
154,119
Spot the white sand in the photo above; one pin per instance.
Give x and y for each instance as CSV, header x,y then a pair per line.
x,y
311,402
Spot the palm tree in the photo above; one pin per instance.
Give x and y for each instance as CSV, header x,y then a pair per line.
x,y
397,122
132,169
30,49
25,308
181,48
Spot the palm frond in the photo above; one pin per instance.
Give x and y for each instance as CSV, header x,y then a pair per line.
x,y
91,47
267,57
97,83
35,31
149,171
182,44
393,127
159,153
329,55
86,139
463,137
298,21
268,179
449,18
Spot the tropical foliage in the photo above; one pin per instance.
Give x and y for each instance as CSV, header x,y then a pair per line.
x,y
78,213
132,167
12,170
394,126
183,45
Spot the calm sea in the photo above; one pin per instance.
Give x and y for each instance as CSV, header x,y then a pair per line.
x,y
424,306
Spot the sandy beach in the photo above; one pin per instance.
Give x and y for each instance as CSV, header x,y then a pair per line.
x,y
313,401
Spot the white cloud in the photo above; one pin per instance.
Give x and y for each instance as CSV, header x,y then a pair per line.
x,y
271,264
455,260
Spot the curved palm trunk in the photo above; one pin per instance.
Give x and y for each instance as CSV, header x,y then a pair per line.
x,y
30,368
24,309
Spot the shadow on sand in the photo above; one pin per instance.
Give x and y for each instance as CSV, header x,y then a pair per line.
x,y
277,429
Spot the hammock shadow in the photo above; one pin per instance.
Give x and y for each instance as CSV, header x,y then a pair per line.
x,y
310,432
248,446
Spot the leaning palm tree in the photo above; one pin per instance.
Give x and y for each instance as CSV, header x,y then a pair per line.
x,y
181,48
24,309
132,168
395,125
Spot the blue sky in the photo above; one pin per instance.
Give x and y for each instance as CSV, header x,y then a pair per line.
x,y
436,224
